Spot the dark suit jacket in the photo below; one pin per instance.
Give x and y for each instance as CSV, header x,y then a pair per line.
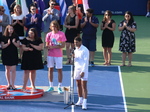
x,y
37,26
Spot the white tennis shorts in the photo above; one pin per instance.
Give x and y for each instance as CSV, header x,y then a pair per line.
x,y
77,76
54,61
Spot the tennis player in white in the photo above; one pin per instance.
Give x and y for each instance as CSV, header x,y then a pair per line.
x,y
81,61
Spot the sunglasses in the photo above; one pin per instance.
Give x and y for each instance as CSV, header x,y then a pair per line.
x,y
52,4
33,9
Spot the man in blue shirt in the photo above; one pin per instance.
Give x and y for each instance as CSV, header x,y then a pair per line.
x,y
89,25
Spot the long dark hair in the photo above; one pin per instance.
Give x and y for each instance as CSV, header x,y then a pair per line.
x,y
35,33
109,14
6,32
131,19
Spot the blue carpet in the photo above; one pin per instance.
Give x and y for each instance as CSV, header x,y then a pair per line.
x,y
104,91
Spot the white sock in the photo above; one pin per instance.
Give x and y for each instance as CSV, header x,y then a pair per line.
x,y
59,85
84,100
80,99
51,84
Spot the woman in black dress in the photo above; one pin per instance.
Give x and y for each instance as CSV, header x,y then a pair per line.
x,y
108,25
10,42
32,57
127,39
71,24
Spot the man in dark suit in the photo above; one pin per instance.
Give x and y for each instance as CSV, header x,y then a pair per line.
x,y
33,20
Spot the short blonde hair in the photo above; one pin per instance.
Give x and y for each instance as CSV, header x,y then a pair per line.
x,y
17,6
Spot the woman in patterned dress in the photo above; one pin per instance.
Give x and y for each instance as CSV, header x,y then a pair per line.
x,y
127,38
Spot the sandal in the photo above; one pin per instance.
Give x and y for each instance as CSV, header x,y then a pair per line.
x,y
105,63
108,64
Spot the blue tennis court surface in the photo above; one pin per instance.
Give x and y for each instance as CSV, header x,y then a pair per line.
x,y
105,91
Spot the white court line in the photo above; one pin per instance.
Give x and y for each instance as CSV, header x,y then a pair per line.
x,y
72,108
122,88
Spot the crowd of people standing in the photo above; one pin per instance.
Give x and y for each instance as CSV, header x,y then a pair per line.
x,y
12,38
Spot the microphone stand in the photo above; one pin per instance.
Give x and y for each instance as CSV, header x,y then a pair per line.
x,y
72,82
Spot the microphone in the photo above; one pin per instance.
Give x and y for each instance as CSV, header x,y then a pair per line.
x,y
72,51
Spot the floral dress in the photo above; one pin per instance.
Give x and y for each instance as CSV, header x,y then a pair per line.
x,y
127,38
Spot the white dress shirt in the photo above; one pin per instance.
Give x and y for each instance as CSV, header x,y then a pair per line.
x,y
81,60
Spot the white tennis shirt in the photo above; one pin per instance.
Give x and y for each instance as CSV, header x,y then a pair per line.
x,y
81,59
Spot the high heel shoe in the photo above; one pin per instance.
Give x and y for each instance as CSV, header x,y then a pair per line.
x,y
13,88
9,87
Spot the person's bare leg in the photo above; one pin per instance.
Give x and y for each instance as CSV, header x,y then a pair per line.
x,y
50,74
80,95
13,76
32,78
50,78
60,76
148,9
84,92
124,54
105,55
79,88
26,77
130,58
7,74
109,55
84,89
92,54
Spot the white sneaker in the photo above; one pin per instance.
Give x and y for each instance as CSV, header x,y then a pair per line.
x,y
79,103
84,105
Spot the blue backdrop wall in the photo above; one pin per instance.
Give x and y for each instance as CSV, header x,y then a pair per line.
x,y
119,7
